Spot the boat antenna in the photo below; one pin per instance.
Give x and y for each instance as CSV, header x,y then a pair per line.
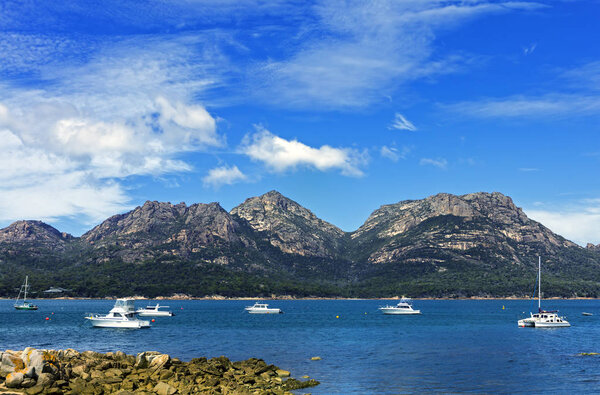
x,y
539,283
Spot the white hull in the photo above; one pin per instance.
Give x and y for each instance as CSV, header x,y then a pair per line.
x,y
129,324
552,324
264,311
395,311
154,313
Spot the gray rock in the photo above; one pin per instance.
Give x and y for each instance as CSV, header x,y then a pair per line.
x,y
14,380
163,388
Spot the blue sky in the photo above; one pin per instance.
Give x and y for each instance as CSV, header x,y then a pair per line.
x,y
341,106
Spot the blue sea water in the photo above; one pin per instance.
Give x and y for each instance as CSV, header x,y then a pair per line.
x,y
454,346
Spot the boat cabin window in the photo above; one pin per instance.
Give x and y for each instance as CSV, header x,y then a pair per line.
x,y
117,315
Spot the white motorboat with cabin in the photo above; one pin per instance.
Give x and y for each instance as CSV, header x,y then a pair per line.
x,y
262,308
153,311
122,315
403,307
23,304
543,318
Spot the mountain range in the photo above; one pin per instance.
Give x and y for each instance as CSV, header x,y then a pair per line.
x,y
478,244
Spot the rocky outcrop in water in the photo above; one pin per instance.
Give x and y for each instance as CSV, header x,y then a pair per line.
x,y
68,371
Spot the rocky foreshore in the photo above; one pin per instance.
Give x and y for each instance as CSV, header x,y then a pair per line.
x,y
34,371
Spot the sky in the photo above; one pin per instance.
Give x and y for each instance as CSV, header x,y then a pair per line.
x,y
342,106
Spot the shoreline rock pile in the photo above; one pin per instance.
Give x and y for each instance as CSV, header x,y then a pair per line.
x,y
56,372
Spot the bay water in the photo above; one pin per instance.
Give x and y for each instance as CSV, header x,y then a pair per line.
x,y
454,346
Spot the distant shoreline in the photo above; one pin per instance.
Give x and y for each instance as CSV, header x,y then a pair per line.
x,y
218,297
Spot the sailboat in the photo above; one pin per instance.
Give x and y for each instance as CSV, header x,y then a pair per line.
x,y
543,318
23,304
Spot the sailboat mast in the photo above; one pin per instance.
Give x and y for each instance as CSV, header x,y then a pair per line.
x,y
539,282
25,297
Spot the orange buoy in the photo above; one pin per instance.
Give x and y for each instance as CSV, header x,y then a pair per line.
x,y
47,318
153,320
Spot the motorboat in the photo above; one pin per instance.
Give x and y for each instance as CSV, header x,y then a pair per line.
x,y
122,315
23,304
153,311
543,318
262,308
403,307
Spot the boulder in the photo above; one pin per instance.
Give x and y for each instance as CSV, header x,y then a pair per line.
x,y
14,379
160,362
45,379
163,388
11,362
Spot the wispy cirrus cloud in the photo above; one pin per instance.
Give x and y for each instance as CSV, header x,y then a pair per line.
x,y
394,154
401,123
280,155
352,54
574,94
440,163
553,105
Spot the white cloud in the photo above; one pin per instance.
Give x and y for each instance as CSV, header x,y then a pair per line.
x,y
68,148
582,84
523,106
280,154
401,123
223,175
580,223
355,53
438,162
393,153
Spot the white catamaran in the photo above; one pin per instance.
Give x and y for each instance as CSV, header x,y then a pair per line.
x,y
23,304
543,318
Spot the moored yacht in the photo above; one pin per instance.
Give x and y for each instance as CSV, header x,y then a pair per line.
x,y
23,304
403,307
153,311
543,318
262,308
122,315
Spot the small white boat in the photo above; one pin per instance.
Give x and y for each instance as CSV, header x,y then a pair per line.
x,y
587,314
262,308
543,318
122,315
404,307
153,311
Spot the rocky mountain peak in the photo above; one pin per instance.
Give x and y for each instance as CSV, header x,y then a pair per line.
x,y
593,247
33,231
289,226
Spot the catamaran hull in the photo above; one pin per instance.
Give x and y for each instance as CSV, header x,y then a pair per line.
x,y
526,323
552,324
155,314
